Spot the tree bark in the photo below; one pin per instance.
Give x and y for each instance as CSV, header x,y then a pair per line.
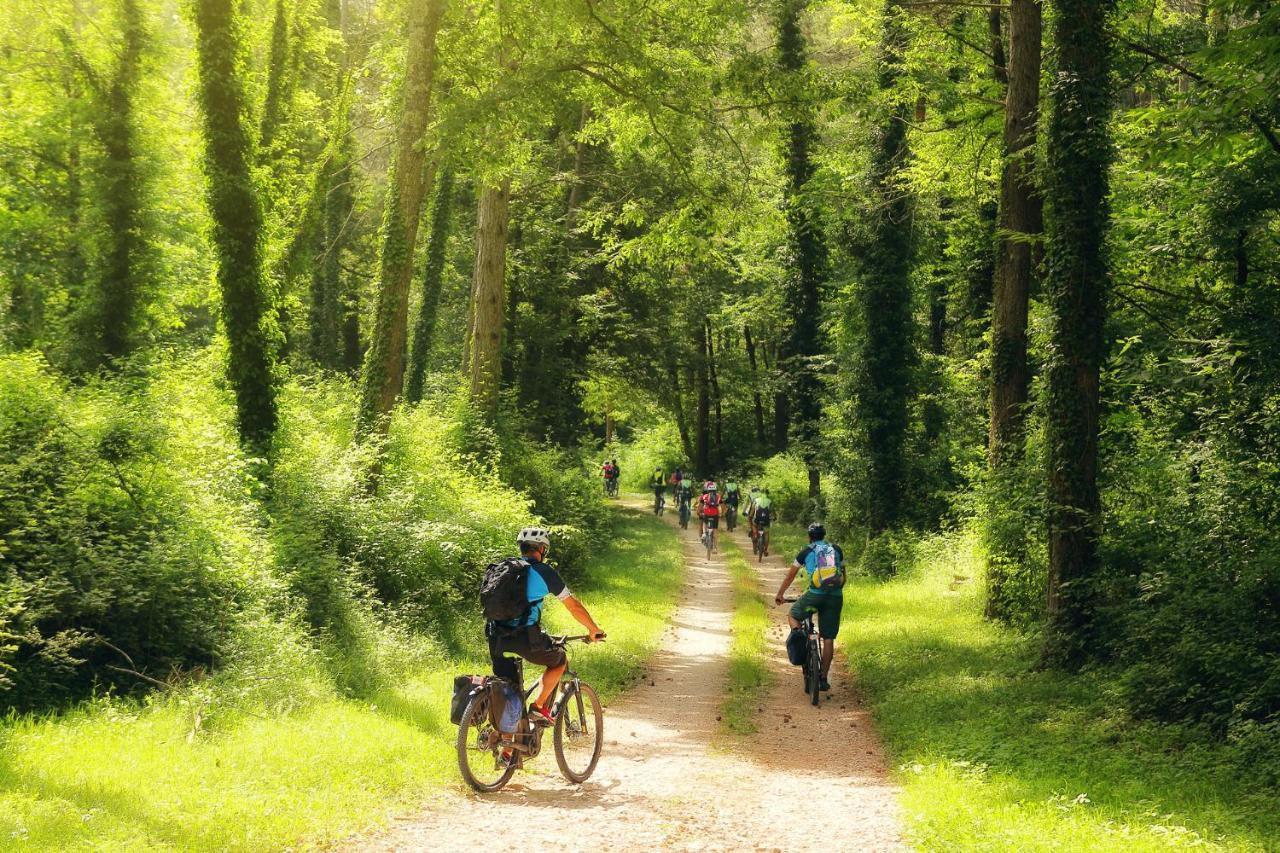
x,y
410,176
677,406
715,395
1020,221
1077,279
702,455
888,356
432,281
488,292
799,398
761,440
236,212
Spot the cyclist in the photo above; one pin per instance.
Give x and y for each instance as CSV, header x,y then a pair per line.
x,y
658,483
708,508
731,495
750,512
607,471
677,477
617,475
525,637
761,515
823,564
684,499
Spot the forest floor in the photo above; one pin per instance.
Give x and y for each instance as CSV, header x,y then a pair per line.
x,y
673,778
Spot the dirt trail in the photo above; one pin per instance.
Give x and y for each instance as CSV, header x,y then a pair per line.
x,y
672,779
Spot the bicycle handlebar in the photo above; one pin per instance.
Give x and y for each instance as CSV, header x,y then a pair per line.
x,y
579,638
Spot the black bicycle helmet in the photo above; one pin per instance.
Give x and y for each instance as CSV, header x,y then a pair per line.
x,y
816,532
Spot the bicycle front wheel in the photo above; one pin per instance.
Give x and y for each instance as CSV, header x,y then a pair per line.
x,y
480,749
579,734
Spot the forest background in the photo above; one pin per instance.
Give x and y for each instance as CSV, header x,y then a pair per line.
x,y
307,305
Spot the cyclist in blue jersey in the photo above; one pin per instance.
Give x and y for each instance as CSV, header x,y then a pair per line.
x,y
525,637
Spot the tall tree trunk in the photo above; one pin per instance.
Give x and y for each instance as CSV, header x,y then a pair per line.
x,y
761,440
384,362
1077,279
109,323
328,285
995,23
432,281
715,394
488,292
237,221
888,355
702,454
677,405
807,256
277,70
1020,223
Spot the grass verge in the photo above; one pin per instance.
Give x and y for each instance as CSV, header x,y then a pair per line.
x,y
748,672
993,755
116,776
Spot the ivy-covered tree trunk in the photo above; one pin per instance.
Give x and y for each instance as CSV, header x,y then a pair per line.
x,y
1020,223
237,220
806,254
677,404
277,69
887,357
1077,279
112,314
488,293
432,280
328,285
385,360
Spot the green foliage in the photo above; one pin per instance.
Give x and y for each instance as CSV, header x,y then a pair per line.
x,y
995,753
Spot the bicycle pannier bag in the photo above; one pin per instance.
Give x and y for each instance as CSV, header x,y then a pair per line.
x,y
504,592
464,687
796,643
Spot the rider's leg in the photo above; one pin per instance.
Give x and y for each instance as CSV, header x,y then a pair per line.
x,y
828,652
550,680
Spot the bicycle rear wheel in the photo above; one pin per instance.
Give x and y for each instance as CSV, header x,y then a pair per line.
x,y
709,540
814,675
579,734
480,749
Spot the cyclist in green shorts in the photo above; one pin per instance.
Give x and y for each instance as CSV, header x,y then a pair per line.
x,y
823,565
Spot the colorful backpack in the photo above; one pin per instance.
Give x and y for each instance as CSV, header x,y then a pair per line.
x,y
825,573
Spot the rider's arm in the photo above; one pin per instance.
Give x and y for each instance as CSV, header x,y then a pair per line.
x,y
580,613
791,575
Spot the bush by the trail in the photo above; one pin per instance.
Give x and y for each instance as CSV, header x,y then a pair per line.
x,y
136,539
114,555
657,446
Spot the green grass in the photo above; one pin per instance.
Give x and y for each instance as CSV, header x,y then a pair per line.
x,y
994,755
748,672
123,777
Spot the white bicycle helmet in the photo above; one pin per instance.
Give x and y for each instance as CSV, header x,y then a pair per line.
x,y
535,536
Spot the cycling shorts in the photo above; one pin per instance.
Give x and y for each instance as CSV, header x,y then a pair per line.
x,y
827,605
529,642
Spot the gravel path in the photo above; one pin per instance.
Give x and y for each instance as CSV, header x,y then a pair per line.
x,y
672,779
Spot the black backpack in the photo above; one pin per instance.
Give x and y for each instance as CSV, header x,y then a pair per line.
x,y
504,592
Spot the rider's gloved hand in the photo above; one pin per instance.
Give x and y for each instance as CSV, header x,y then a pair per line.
x,y
596,637
777,599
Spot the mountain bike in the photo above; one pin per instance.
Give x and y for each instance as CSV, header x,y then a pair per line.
x,y
760,545
812,668
685,512
709,536
659,501
731,517
578,734
611,487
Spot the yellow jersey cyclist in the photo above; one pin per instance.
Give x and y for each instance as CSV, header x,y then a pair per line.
x,y
761,514
823,564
